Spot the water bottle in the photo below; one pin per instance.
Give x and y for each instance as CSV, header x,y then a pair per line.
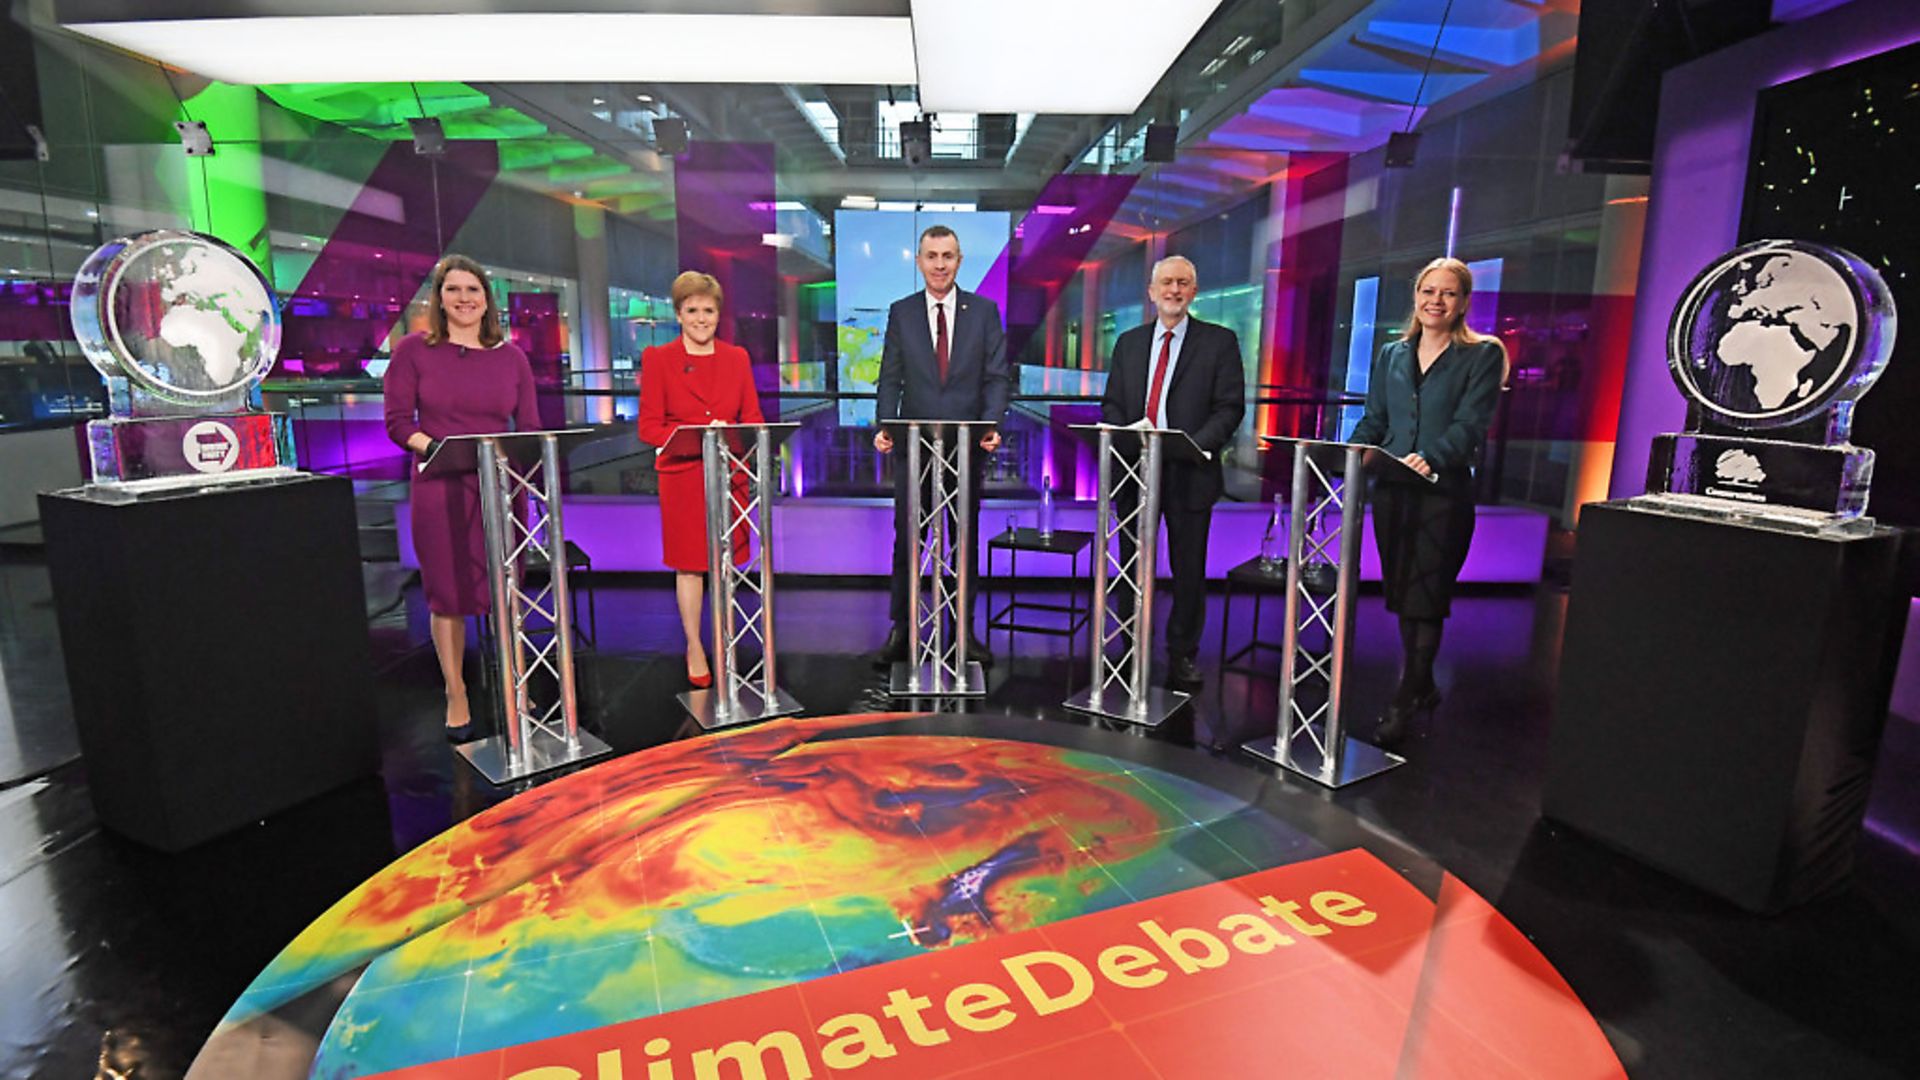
x,y
1046,508
1273,544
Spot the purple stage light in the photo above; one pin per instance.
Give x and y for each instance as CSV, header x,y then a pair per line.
x,y
839,537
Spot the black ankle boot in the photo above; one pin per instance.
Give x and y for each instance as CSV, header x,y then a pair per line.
x,y
894,651
1406,704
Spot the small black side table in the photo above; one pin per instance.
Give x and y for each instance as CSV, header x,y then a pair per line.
x,y
1013,541
1256,579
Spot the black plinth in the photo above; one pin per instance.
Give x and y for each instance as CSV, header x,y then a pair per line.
x,y
1722,694
216,645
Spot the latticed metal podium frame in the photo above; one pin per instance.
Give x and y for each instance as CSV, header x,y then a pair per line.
x,y
941,535
1329,485
1119,688
739,597
533,627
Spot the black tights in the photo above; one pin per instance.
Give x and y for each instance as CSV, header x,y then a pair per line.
x,y
1419,644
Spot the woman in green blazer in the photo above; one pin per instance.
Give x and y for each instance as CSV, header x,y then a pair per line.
x,y
1430,400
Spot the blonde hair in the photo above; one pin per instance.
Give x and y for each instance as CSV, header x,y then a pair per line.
x,y
490,332
1461,332
692,283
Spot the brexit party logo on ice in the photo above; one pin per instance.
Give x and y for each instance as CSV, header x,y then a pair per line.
x,y
182,328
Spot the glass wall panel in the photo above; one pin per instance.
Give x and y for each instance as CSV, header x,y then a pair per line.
x,y
1304,240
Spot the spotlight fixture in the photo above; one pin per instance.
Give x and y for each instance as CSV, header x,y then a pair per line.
x,y
670,135
194,136
429,138
1161,141
916,142
1401,146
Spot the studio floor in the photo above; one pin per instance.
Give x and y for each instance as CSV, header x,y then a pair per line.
x,y
120,961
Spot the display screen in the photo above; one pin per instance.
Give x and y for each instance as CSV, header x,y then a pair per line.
x,y
873,266
1832,163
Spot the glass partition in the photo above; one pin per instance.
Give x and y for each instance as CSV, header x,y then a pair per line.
x,y
1305,240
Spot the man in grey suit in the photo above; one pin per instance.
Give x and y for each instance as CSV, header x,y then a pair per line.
x,y
945,358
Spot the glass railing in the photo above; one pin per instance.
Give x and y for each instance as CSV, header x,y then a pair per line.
x,y
339,427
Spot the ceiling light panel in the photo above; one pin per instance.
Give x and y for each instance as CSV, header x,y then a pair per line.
x,y
527,47
1053,56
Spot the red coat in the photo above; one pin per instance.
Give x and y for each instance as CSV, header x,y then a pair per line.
x,y
677,388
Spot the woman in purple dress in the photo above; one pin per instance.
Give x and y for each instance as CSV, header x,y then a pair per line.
x,y
461,377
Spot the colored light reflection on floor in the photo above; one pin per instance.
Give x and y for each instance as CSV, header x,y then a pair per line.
x,y
814,896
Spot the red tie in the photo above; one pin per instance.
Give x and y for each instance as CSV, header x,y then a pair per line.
x,y
941,349
1159,377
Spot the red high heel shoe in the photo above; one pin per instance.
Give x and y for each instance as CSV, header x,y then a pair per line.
x,y
700,682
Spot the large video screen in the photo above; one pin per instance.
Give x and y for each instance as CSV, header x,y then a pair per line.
x,y
873,265
1832,162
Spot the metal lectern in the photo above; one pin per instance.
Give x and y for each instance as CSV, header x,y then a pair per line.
x,y
533,630
940,536
1119,689
1311,737
741,694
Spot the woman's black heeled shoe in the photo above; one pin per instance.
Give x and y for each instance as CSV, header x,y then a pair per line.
x,y
462,734
1392,727
1393,723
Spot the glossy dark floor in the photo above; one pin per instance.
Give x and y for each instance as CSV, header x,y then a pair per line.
x,y
117,961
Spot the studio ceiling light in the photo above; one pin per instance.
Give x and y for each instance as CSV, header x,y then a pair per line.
x,y
1056,56
542,46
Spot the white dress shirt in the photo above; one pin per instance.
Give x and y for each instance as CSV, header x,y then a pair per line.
x,y
1160,331
952,303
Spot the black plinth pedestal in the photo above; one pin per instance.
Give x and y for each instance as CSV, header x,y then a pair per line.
x,y
216,646
1722,693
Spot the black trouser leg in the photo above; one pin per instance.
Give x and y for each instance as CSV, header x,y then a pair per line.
x,y
1186,538
1187,532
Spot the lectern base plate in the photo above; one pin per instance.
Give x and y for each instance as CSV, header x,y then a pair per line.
x,y
1149,711
1359,761
543,753
908,682
704,707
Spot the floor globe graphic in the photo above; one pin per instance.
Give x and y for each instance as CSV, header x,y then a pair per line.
x,y
180,315
1779,331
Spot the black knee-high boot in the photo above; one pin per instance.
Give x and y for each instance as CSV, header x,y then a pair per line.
x,y
1420,643
1423,646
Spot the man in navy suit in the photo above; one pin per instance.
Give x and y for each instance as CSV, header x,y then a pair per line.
x,y
1181,373
945,359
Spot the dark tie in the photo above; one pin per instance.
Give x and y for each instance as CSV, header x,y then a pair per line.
x,y
941,350
1159,377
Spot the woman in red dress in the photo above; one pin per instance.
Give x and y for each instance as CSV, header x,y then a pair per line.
x,y
460,377
693,380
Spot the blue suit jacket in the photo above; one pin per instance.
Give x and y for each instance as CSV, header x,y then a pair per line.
x,y
978,384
